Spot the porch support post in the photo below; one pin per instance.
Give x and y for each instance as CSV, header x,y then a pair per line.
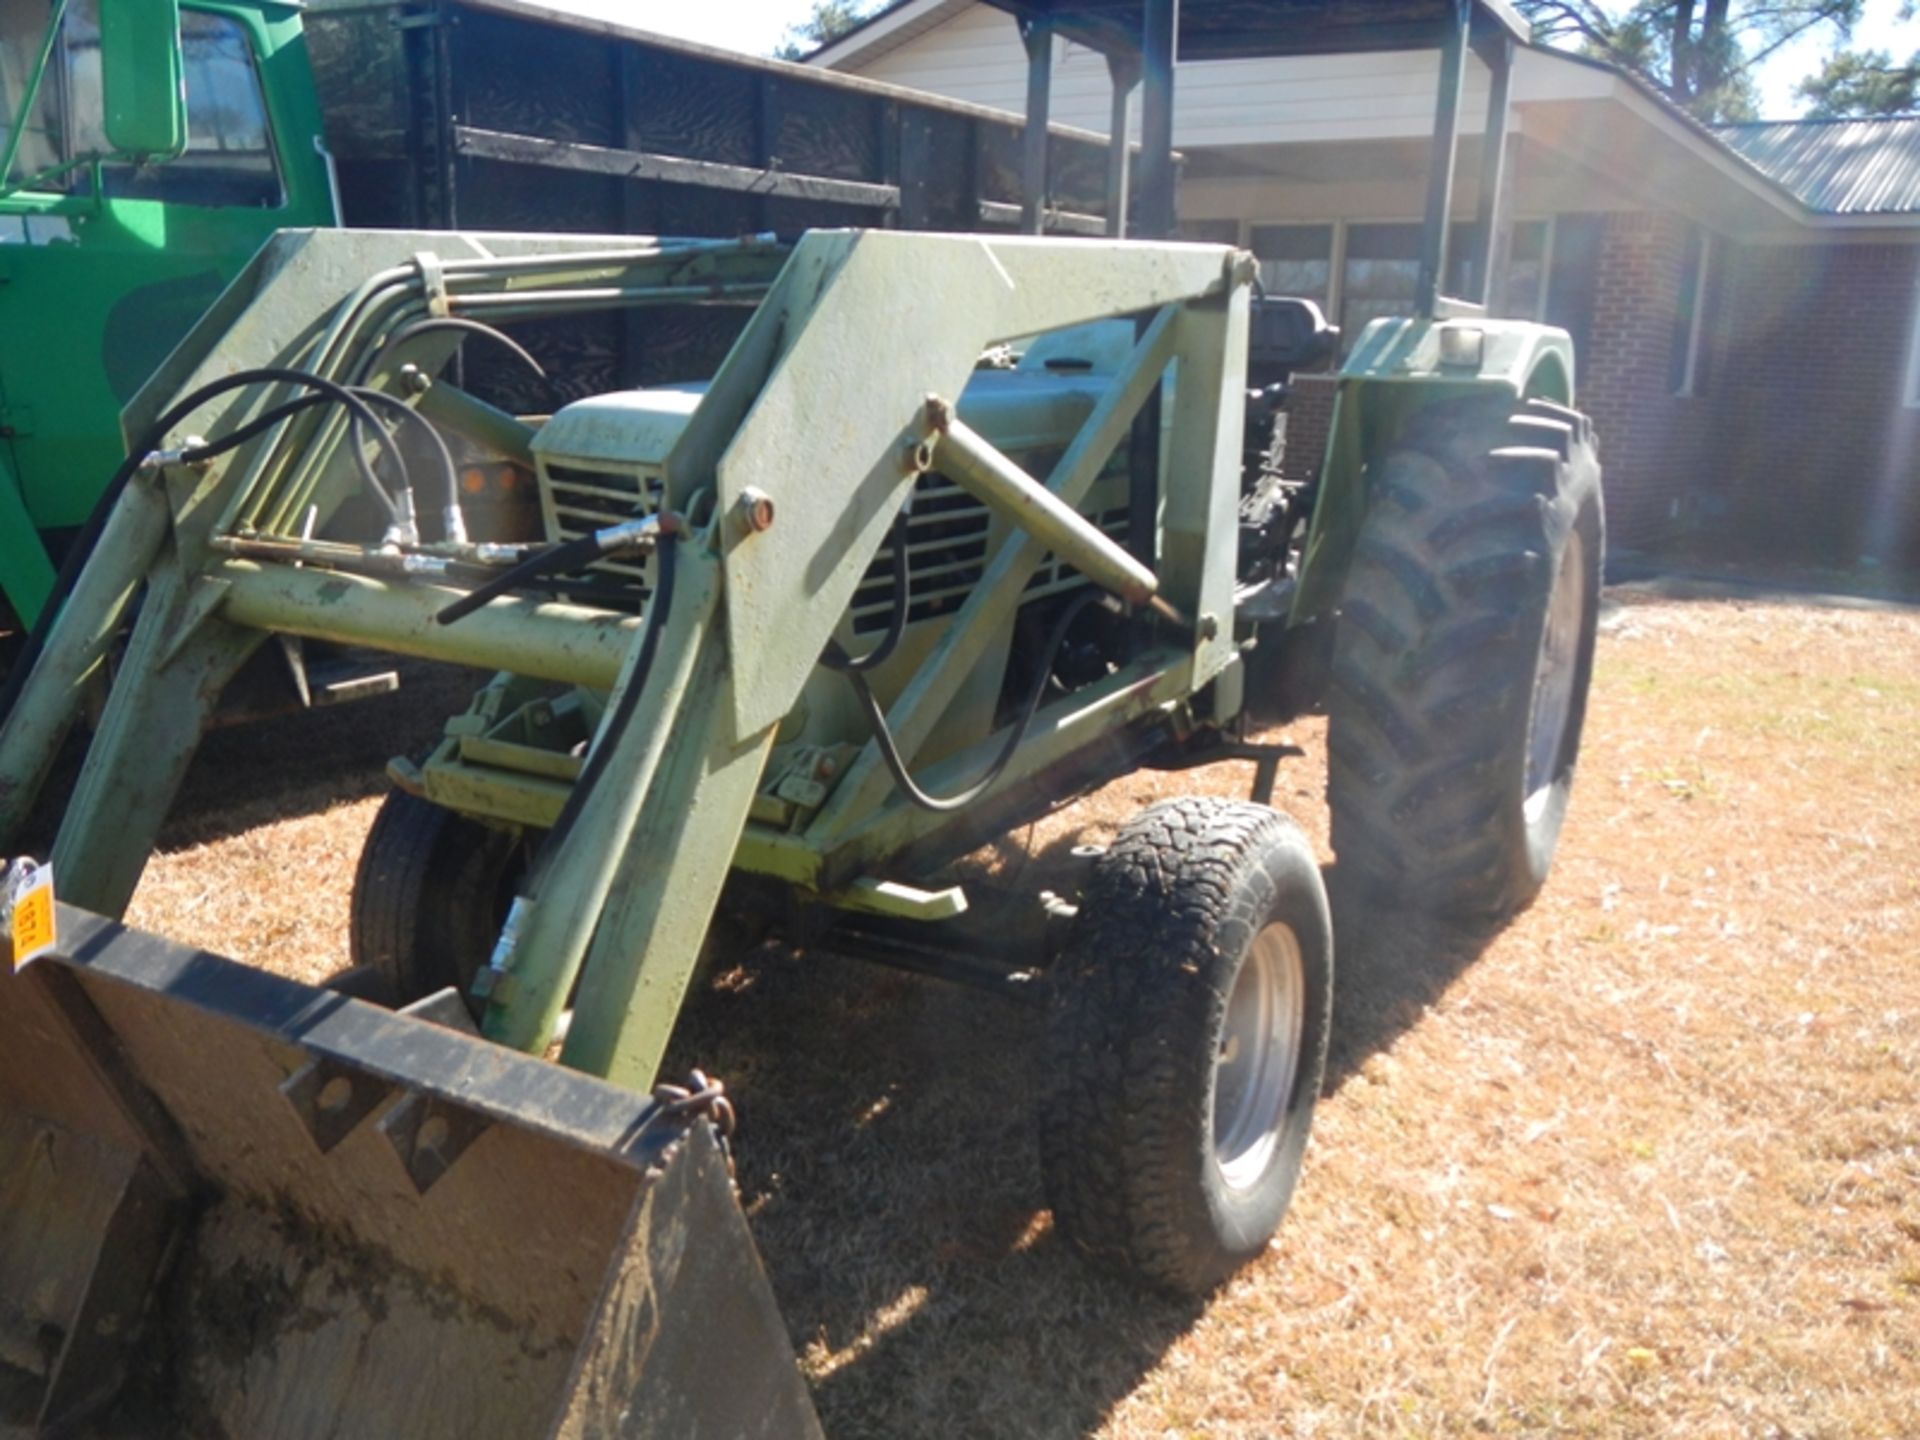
x,y
1037,35
1492,215
1162,20
1124,71
1440,168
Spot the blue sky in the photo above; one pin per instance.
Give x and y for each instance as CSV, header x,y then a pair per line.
x,y
757,26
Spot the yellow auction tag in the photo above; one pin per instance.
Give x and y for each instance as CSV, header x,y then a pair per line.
x,y
33,934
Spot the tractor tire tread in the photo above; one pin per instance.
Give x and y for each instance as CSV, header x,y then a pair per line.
x,y
1120,1103
1434,673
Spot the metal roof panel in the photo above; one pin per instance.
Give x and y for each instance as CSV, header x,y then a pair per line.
x,y
1838,167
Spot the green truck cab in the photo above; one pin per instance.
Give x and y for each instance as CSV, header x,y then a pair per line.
x,y
110,250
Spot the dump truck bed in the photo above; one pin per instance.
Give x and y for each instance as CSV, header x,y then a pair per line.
x,y
541,122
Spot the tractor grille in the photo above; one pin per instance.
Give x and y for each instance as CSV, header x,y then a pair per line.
x,y
579,501
947,537
947,554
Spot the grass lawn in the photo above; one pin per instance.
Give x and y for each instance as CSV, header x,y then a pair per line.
x,y
1646,1162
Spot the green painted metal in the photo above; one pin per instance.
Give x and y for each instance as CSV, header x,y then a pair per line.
x,y
1203,435
983,619
23,559
554,932
280,307
491,429
685,790
180,657
31,733
102,286
547,640
963,453
667,882
946,299
868,896
630,889
1395,370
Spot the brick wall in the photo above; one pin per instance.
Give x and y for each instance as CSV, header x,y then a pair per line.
x,y
1815,457
1796,447
1309,418
1651,440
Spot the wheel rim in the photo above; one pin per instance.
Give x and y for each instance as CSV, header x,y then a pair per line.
x,y
1259,1056
1553,678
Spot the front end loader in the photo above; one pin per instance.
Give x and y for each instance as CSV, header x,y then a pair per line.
x,y
801,633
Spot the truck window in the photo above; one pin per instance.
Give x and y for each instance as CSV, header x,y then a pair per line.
x,y
229,159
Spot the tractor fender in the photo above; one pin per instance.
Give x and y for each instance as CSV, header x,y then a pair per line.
x,y
1398,368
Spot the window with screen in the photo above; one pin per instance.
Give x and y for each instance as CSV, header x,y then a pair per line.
x,y
1381,272
1380,277
1210,232
1525,295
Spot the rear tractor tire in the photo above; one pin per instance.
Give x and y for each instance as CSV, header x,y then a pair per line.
x,y
1188,1030
430,896
1463,656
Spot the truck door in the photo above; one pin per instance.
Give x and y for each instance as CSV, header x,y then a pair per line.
x,y
104,266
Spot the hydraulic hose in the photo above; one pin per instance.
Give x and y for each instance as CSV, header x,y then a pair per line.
x,y
449,473
835,657
575,554
252,429
76,557
659,607
469,327
945,804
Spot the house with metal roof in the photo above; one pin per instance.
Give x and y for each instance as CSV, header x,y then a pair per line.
x,y
1745,299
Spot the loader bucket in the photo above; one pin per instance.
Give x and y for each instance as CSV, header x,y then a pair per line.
x,y
234,1207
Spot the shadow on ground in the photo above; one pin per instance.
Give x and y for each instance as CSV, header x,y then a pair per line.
x,y
887,1158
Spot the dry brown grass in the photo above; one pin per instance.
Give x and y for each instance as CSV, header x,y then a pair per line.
x,y
1645,1163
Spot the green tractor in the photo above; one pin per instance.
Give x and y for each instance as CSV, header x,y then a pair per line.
x,y
960,528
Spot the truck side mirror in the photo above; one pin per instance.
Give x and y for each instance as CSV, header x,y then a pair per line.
x,y
142,78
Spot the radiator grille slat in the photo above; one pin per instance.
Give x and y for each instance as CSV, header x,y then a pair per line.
x,y
946,541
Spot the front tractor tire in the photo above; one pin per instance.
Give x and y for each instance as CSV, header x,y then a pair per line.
x,y
430,896
1463,657
1188,1039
